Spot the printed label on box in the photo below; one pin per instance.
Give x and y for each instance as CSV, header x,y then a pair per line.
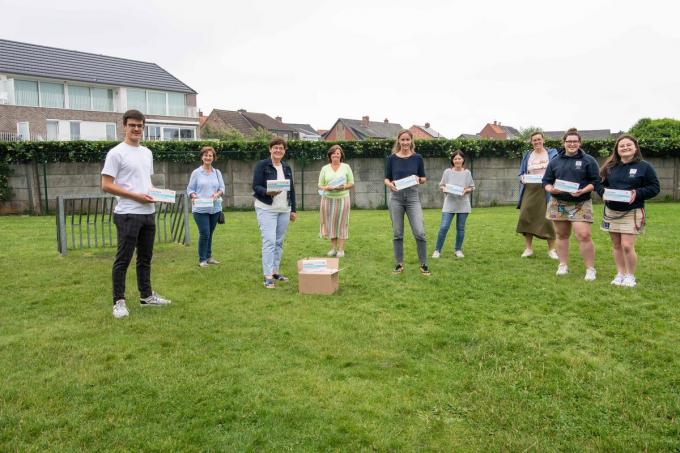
x,y
337,182
313,265
409,181
203,202
532,179
565,186
162,195
454,189
617,195
275,185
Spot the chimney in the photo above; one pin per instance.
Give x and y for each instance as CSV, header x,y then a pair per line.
x,y
494,123
364,121
200,113
242,110
427,125
386,121
279,119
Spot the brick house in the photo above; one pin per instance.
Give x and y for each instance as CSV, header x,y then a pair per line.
x,y
496,131
363,129
247,123
424,132
47,93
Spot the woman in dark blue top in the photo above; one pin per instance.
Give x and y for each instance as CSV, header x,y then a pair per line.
x,y
573,209
625,170
405,162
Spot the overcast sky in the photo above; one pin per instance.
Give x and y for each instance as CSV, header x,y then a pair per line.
x,y
593,64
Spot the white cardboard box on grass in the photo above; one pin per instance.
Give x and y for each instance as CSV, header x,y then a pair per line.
x,y
318,275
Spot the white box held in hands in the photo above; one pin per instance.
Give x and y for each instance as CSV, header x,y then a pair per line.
x,y
337,182
454,189
204,202
162,195
276,185
565,186
623,196
531,179
408,181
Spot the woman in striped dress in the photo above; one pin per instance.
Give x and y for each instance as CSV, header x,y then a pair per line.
x,y
335,180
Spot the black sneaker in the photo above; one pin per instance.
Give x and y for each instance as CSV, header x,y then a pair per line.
x,y
398,269
425,270
279,277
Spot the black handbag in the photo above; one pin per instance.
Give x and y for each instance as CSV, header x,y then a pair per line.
x,y
220,218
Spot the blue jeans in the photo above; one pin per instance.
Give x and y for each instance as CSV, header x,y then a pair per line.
x,y
273,226
206,226
407,201
447,217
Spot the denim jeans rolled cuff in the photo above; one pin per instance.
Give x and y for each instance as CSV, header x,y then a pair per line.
x,y
273,226
447,218
134,231
407,201
206,224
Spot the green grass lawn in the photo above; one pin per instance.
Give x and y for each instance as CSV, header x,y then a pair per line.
x,y
492,352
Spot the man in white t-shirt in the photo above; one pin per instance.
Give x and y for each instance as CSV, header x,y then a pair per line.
x,y
127,174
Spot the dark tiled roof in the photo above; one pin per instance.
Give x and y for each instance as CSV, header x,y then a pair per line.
x,y
235,120
510,131
305,128
41,61
468,137
375,129
266,121
593,134
246,122
431,132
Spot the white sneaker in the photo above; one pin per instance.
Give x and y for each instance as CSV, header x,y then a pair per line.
x,y
120,309
591,274
203,263
435,254
562,269
212,260
459,254
629,281
527,253
340,253
552,253
618,280
154,300
332,252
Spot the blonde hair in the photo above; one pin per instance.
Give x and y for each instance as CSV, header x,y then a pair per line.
x,y
396,147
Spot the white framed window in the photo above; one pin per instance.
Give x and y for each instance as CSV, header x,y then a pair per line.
x,y
110,131
79,97
23,131
102,99
52,130
75,130
157,103
52,95
152,133
26,93
177,104
136,99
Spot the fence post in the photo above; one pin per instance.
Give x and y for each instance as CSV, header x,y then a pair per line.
x,y
302,185
61,225
45,185
185,207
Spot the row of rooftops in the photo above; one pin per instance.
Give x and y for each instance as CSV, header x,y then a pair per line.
x,y
24,59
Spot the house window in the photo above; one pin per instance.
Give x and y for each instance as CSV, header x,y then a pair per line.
x,y
176,104
187,133
152,133
52,130
26,93
75,130
136,99
156,103
170,133
102,99
110,131
52,95
79,97
23,132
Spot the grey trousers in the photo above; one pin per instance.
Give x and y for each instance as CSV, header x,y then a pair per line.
x,y
407,201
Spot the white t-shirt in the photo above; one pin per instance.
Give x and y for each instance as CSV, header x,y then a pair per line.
x,y
280,201
131,168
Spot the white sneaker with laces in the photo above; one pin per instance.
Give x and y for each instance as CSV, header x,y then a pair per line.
x,y
154,300
435,254
332,252
212,260
591,274
552,253
629,281
459,254
340,253
527,253
618,280
203,264
562,269
120,309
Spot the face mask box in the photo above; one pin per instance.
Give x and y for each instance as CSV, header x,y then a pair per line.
x,y
532,179
623,196
565,186
162,195
318,275
454,189
337,182
276,185
203,203
403,183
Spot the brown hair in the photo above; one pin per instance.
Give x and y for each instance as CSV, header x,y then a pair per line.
x,y
133,115
457,152
276,140
333,149
395,147
571,131
206,149
614,159
531,137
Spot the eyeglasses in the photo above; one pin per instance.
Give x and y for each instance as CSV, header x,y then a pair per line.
x,y
135,126
572,142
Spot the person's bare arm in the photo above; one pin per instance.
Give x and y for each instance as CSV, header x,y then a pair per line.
x,y
114,189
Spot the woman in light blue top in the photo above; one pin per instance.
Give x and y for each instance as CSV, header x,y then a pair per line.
x,y
206,188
